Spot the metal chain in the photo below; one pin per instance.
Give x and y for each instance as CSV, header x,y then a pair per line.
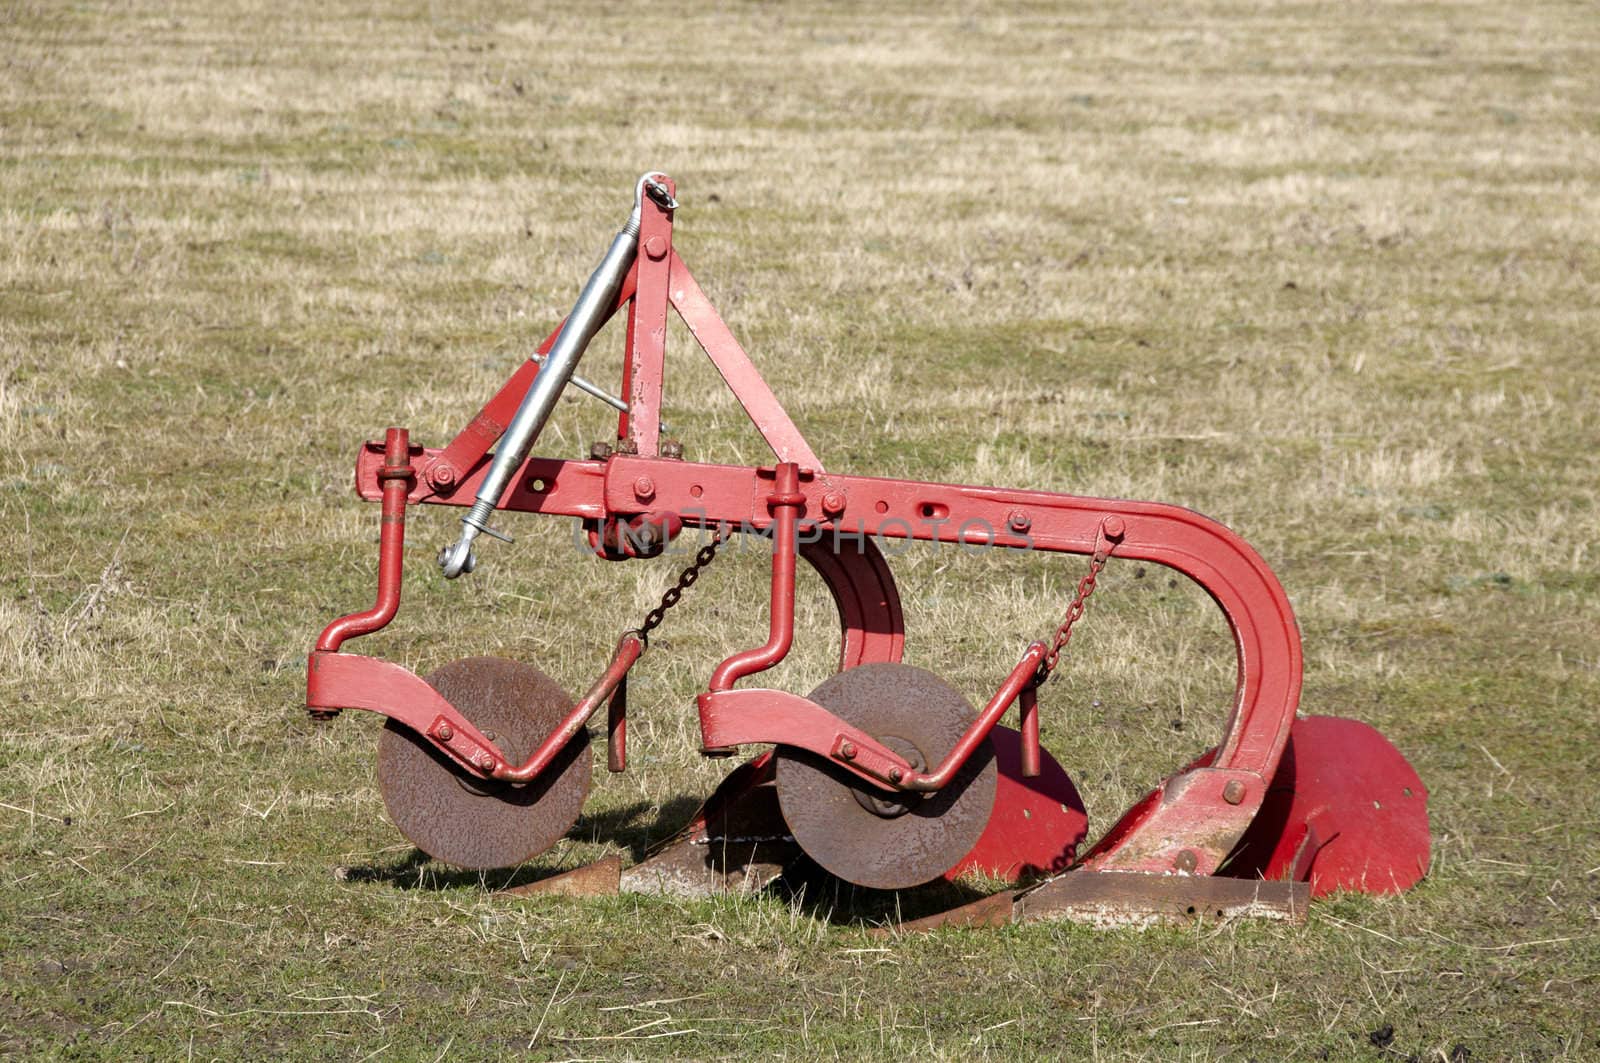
x,y
686,578
1074,613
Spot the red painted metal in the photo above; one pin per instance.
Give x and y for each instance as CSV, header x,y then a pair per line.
x,y
863,589
628,650
1020,679
785,502
393,476
617,728
647,332
1038,822
738,372
1189,824
1345,811
730,718
350,681
1030,731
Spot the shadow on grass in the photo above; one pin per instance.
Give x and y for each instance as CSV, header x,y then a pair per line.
x,y
637,827
833,900
633,828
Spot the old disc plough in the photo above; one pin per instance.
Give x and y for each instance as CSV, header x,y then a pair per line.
x,y
886,775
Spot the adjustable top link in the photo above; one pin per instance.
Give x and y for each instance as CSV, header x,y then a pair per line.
x,y
686,579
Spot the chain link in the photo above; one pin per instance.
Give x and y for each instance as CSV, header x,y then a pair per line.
x,y
686,578
1074,613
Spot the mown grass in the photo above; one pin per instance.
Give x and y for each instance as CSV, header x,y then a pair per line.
x,y
1328,273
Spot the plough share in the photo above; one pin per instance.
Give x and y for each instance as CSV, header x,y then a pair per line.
x,y
885,775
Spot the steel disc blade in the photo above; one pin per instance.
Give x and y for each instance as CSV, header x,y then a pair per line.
x,y
845,825
476,823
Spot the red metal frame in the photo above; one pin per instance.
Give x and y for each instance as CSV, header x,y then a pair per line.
x,y
834,521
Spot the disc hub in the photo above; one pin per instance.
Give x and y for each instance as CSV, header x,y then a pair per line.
x,y
863,834
881,802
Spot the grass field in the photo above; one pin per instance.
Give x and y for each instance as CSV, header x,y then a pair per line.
x,y
1328,273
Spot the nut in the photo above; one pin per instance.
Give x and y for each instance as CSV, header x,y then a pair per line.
x,y
599,451
847,750
444,732
442,475
672,449
1019,521
833,502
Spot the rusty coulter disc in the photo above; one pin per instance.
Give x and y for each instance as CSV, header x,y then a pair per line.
x,y
477,823
869,836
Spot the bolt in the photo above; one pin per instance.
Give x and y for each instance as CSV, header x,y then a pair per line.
x,y
1233,793
1185,862
1113,527
833,502
672,449
443,732
1019,521
599,451
647,536
442,475
895,775
656,248
644,489
847,750
486,764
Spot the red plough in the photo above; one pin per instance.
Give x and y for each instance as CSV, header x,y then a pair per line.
x,y
885,775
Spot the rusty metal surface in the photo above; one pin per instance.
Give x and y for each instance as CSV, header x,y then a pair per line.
x,y
906,708
1110,900
479,823
738,841
599,879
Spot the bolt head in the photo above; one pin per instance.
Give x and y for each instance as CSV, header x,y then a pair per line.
x,y
1233,793
1114,527
1019,521
644,489
442,475
1186,861
833,502
656,248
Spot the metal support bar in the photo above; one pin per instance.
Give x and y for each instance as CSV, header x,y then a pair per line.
x,y
593,306
395,479
786,502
